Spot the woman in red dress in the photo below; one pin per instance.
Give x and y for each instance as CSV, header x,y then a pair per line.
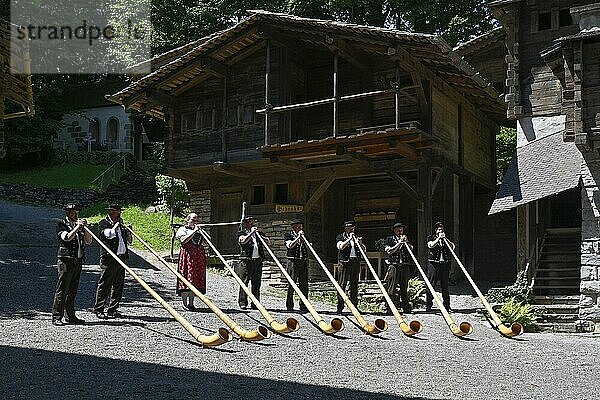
x,y
192,261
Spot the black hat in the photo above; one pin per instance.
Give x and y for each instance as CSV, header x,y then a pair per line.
x,y
348,224
114,207
398,225
438,224
296,222
248,218
72,206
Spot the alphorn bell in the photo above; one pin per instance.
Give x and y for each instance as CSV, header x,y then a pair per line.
x,y
380,324
515,329
408,329
464,328
259,333
291,324
216,339
336,324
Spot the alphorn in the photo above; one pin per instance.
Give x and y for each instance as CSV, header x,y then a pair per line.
x,y
515,329
291,324
216,339
464,328
372,329
336,324
259,333
408,329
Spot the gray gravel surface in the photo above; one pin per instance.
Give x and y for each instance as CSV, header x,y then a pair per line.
x,y
147,354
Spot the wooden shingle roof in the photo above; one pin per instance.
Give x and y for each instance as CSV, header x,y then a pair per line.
x,y
189,63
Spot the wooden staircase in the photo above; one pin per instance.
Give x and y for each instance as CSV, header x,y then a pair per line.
x,y
557,278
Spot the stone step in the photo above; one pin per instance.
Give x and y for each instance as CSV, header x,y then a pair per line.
x,y
554,317
557,308
565,327
557,278
574,271
555,299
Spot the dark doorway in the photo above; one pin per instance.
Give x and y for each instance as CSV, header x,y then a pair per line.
x,y
229,209
565,209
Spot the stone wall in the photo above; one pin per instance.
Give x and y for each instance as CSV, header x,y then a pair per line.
x,y
53,197
589,303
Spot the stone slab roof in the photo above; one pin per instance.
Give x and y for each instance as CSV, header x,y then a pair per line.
x,y
542,168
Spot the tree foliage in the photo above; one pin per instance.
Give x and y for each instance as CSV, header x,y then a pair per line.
x,y
506,144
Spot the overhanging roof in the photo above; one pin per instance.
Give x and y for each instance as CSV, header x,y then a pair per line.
x,y
188,64
542,168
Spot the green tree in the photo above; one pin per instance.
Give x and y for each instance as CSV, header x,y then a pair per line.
x,y
506,144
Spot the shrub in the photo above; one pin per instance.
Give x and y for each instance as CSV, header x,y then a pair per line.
x,y
173,193
514,310
520,291
416,292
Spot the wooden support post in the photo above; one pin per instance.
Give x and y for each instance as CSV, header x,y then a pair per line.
x,y
319,192
224,122
267,104
335,94
412,193
397,96
424,211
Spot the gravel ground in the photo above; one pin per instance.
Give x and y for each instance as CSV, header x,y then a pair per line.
x,y
149,355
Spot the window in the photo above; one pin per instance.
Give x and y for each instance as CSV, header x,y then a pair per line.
x,y
232,116
258,194
281,193
95,130
544,21
113,131
188,122
248,114
564,18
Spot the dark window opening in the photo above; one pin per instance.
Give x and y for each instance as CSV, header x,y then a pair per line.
x,y
258,195
232,116
207,119
564,18
248,114
544,21
281,193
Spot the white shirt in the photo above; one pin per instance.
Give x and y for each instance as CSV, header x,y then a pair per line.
x,y
111,234
255,253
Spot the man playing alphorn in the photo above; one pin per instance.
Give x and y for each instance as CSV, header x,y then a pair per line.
x,y
297,265
398,267
438,266
251,256
349,262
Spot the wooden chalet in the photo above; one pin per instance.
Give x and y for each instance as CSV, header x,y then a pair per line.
x,y
329,121
16,94
553,92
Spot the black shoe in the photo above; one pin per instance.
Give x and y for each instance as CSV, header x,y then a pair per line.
x,y
243,306
428,308
303,310
253,307
289,308
114,314
75,321
100,314
57,321
340,310
406,309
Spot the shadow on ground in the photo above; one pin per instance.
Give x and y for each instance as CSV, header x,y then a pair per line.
x,y
35,374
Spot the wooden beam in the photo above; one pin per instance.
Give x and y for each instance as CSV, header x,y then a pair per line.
x,y
412,193
215,67
319,192
228,169
423,106
347,52
247,52
437,179
289,164
159,97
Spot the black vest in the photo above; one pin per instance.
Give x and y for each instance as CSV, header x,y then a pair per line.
x,y
434,252
401,255
344,254
294,252
69,249
247,248
112,244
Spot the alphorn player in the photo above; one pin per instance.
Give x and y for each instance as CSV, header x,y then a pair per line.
x,y
297,265
112,276
72,239
192,261
349,262
252,254
398,271
438,267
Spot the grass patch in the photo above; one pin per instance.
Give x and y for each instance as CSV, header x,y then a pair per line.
x,y
154,228
61,176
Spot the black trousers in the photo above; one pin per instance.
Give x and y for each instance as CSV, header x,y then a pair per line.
x,y
298,270
249,271
438,271
110,285
398,274
69,272
348,273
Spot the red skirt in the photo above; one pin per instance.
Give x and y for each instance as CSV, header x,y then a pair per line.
x,y
192,265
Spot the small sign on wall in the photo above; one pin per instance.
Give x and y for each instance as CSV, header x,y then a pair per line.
x,y
288,208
